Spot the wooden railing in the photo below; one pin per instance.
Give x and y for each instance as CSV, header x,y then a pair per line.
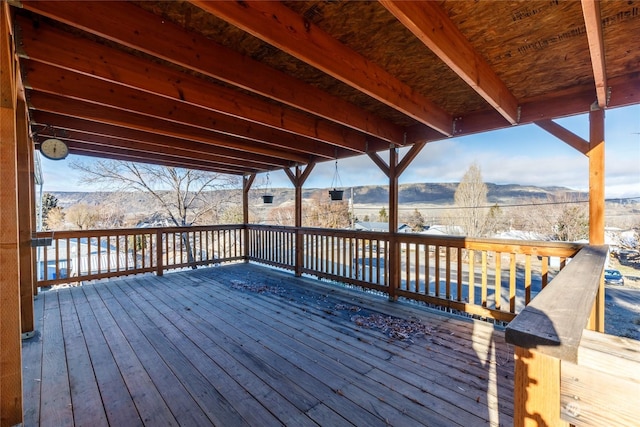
x,y
487,278
73,256
566,374
483,277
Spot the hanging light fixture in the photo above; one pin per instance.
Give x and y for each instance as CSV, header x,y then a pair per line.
x,y
267,197
336,193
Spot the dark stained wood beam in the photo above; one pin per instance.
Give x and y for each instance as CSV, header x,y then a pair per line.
x,y
565,135
41,120
45,44
190,156
115,153
92,112
152,34
274,23
409,157
49,79
593,22
625,90
429,23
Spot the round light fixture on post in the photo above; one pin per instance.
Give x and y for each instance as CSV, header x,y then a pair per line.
x,y
54,149
335,193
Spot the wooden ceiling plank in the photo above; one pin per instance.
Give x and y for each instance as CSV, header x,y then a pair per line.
x,y
113,116
46,78
431,25
132,26
593,23
43,119
54,47
278,25
565,135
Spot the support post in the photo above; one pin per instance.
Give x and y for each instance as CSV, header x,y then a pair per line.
x,y
298,179
247,181
159,262
394,247
25,213
537,390
597,199
10,343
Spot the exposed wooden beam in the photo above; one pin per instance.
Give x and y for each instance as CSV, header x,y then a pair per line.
x,y
42,119
278,25
429,23
380,163
128,155
188,155
49,79
113,116
625,90
156,36
593,23
409,157
54,47
564,135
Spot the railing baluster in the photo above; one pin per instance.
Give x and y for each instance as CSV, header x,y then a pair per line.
x,y
483,295
437,271
512,283
527,279
448,272
498,280
472,276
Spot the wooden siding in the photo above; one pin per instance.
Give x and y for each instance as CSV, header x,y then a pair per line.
x,y
247,345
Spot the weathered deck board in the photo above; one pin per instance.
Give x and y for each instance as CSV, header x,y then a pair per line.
x,y
190,349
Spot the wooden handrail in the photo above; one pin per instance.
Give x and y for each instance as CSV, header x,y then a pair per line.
x,y
553,322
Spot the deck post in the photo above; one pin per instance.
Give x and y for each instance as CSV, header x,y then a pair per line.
x,y
394,250
596,199
298,179
247,181
537,390
10,343
23,158
159,262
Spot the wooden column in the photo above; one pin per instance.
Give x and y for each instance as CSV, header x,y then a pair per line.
x,y
25,219
298,179
536,390
394,248
247,182
10,344
596,199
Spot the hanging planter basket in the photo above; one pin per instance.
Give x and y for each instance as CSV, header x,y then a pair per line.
x,y
267,197
336,194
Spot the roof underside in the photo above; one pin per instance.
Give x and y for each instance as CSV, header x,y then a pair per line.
x,y
247,87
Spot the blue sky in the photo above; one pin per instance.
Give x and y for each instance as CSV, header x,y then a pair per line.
x,y
524,155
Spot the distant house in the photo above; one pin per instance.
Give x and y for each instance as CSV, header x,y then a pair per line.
x,y
444,230
379,226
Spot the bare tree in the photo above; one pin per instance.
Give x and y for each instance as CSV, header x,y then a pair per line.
x,y
82,216
184,195
320,211
471,200
416,221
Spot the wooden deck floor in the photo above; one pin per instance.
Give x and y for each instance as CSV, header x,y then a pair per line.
x,y
246,345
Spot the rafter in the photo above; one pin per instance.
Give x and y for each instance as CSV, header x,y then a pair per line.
x,y
593,22
188,154
276,24
138,29
41,119
92,112
46,78
51,46
429,23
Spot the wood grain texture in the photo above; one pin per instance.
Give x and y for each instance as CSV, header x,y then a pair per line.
x,y
197,349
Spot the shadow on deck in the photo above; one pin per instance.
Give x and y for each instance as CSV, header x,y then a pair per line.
x,y
247,345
